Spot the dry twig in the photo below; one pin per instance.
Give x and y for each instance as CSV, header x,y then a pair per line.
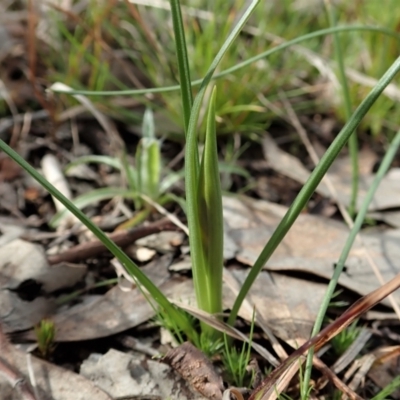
x,y
121,238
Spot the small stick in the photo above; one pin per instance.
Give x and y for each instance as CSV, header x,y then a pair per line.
x,y
121,238
348,391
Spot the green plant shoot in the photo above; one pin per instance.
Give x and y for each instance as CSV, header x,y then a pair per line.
x,y
148,159
206,224
45,333
143,179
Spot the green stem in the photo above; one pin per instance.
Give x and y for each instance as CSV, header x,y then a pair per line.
x,y
72,296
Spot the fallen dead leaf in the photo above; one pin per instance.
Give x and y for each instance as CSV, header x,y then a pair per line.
x,y
288,305
313,244
117,310
162,242
392,218
52,171
23,262
9,197
123,375
386,368
340,175
52,382
17,314
9,230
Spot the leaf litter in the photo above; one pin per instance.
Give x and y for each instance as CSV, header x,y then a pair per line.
x,y
51,381
121,375
284,302
313,245
22,262
385,200
287,303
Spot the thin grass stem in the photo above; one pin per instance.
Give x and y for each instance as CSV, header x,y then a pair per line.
x,y
243,64
183,63
353,141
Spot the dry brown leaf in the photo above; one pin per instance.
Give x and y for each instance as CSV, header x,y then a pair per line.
x,y
392,218
9,197
386,368
17,314
162,242
53,172
9,230
20,262
288,305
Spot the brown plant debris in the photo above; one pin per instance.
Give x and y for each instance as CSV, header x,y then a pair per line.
x,y
194,367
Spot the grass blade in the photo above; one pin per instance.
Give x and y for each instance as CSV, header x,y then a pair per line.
x,y
353,142
183,63
385,165
322,32
192,174
313,181
181,318
148,159
95,159
210,222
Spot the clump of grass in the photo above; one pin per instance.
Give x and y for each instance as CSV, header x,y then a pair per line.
x,y
211,348
236,361
164,320
145,45
343,340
